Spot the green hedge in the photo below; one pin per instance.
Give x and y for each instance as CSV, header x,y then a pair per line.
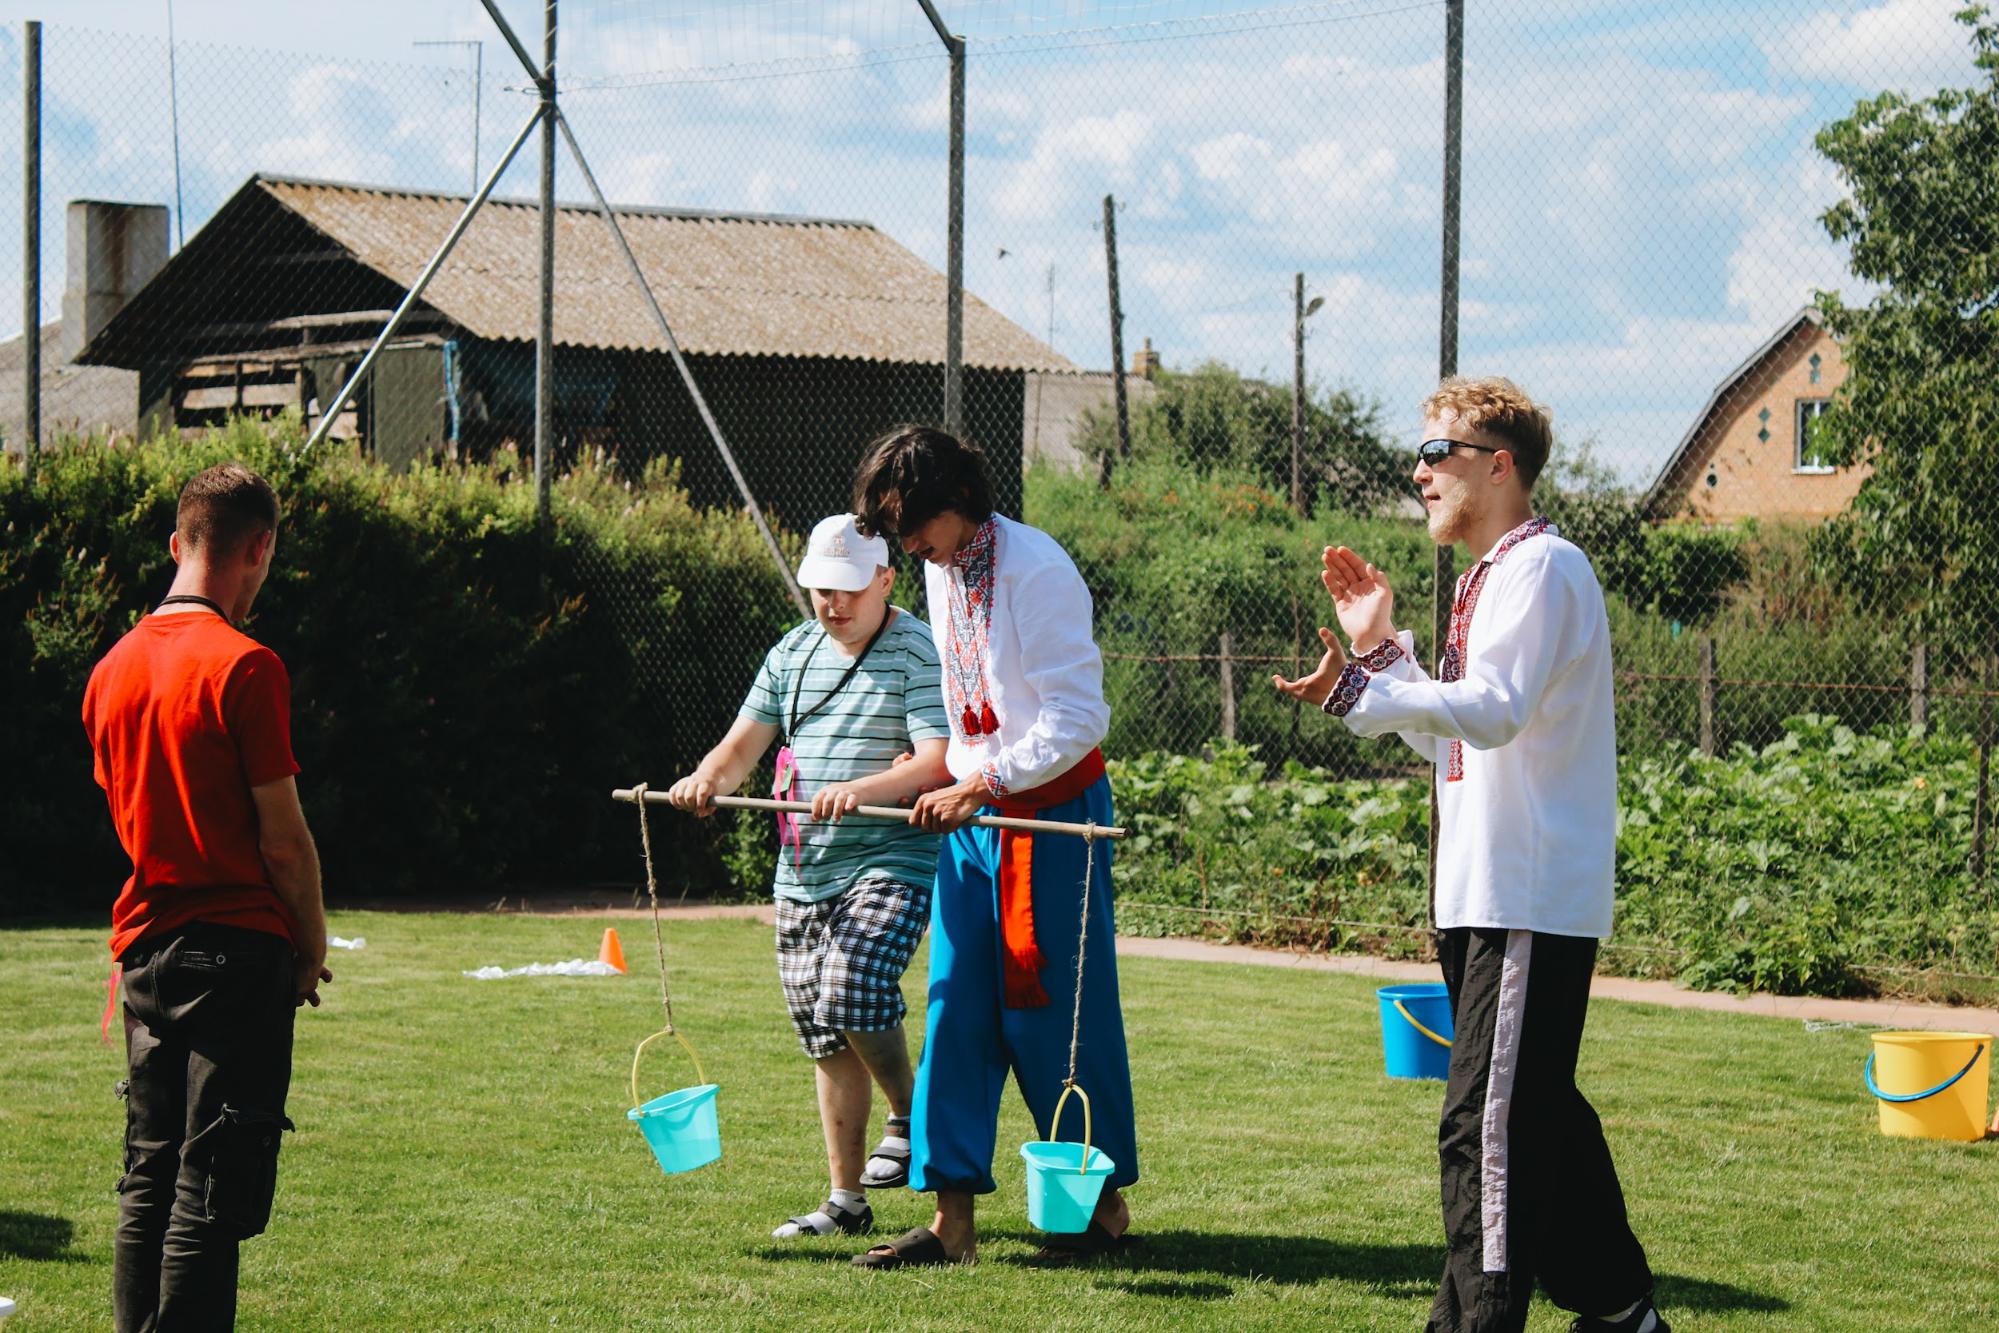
x,y
466,691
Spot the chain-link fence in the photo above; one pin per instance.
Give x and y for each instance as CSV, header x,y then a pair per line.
x,y
1641,248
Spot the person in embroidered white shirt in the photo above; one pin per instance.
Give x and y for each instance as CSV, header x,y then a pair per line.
x,y
1023,692
1518,724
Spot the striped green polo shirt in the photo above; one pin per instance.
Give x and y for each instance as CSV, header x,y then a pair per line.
x,y
892,701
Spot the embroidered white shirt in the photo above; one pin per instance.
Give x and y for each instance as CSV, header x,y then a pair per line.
x,y
1528,832
1043,670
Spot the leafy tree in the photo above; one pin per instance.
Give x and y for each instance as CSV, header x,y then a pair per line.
x,y
1921,398
1221,421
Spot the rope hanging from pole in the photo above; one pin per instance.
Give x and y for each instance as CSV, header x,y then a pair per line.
x,y
1082,943
652,895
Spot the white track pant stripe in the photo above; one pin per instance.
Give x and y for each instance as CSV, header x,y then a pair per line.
x,y
1508,1022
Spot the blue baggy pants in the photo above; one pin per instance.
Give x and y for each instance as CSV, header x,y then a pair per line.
x,y
972,1039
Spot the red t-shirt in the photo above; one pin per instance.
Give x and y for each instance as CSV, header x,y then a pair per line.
x,y
187,714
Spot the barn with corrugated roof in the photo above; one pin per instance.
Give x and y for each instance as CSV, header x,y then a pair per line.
x,y
807,335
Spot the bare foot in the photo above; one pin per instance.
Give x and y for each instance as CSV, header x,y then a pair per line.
x,y
958,1236
1113,1214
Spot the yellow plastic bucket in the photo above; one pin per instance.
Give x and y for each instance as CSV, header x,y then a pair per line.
x,y
1931,1085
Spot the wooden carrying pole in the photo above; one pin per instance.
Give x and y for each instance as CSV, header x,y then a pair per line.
x,y
890,812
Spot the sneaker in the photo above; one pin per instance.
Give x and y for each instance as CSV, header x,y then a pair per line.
x,y
843,1223
1645,1319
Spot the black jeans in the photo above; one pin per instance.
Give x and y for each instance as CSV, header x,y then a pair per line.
x,y
208,1042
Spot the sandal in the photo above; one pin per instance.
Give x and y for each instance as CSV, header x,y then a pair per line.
x,y
887,1168
844,1223
918,1247
1091,1243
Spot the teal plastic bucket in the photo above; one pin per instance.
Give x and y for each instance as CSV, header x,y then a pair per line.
x,y
1416,1030
681,1128
1063,1183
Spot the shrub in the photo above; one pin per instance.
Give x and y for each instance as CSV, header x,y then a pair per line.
x,y
466,691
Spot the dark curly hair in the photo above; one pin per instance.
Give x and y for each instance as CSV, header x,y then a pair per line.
x,y
913,474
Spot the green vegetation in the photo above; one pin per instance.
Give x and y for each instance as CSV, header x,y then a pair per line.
x,y
1922,226
1828,862
464,692
463,1159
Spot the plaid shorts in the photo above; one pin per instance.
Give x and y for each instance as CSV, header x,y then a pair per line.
x,y
841,959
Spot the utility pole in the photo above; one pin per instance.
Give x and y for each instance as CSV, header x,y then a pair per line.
x,y
1117,345
31,245
544,341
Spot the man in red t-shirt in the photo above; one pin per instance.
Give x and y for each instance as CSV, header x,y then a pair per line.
x,y
220,930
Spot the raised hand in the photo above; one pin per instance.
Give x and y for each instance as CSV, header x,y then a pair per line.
x,y
1361,598
1314,689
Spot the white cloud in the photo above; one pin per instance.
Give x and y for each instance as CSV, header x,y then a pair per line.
x,y
1090,154
1911,45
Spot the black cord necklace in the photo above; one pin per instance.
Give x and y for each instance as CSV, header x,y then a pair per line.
x,y
798,681
214,606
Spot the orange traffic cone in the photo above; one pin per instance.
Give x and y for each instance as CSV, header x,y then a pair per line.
x,y
611,951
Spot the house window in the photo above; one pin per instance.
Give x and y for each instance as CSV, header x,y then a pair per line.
x,y
1805,457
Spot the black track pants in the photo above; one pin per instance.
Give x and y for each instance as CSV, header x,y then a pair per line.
x,y
1529,1189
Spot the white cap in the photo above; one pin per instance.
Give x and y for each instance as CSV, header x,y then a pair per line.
x,y
838,558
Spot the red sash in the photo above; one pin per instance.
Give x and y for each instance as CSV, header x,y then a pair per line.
x,y
1023,961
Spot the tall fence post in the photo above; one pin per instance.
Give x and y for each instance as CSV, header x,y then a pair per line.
x,y
954,262
1117,344
544,338
31,245
1298,394
1919,687
1981,803
1442,572
1228,685
1707,694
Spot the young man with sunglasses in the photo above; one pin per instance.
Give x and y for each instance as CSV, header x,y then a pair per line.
x,y
851,692
1518,723
1024,694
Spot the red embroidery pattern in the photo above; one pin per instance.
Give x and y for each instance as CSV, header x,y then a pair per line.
x,y
969,582
1457,646
1380,657
1347,690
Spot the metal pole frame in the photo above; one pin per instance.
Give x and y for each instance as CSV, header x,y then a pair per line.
x,y
1443,572
954,264
544,339
332,411
31,245
680,364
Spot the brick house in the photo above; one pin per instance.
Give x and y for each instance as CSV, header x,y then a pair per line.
x,y
1749,453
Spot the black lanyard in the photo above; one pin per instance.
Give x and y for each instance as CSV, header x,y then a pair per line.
x,y
216,607
798,681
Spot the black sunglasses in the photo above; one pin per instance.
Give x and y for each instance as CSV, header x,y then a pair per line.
x,y
1433,452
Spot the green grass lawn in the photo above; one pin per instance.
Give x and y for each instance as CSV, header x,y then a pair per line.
x,y
463,1159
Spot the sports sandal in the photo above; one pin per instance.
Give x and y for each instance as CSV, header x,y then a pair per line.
x,y
1091,1243
887,1168
917,1247
844,1223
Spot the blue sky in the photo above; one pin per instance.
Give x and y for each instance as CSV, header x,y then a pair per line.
x,y
1640,196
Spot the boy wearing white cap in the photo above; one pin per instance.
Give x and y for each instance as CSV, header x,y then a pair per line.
x,y
849,692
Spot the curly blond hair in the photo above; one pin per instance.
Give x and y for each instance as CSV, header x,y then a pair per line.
x,y
1502,409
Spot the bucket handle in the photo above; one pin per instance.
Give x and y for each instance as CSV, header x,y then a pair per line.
x,y
1401,1009
1868,1075
1054,1121
674,1033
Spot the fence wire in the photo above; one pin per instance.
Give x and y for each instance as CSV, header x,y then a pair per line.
x,y
1642,248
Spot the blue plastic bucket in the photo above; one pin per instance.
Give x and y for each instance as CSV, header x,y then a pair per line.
x,y
1064,1181
1416,1030
681,1128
